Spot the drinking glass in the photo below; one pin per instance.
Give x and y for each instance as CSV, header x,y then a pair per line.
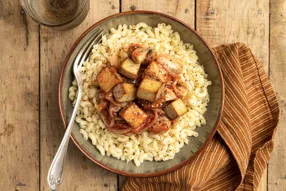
x,y
57,14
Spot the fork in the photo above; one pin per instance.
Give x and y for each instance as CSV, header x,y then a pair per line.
x,y
54,177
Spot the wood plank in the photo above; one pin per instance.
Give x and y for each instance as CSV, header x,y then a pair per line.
x,y
223,22
277,165
183,10
80,173
19,99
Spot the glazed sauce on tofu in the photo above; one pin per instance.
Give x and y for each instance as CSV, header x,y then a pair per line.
x,y
142,93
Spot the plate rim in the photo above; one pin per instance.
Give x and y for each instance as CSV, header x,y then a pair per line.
x,y
124,173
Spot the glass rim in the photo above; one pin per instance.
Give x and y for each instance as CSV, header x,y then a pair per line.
x,y
30,13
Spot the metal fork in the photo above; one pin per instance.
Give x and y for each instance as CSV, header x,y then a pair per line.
x,y
54,177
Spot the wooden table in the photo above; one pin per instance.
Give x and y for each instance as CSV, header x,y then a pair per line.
x,y
31,58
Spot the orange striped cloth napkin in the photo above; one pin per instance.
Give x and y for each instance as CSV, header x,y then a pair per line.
x,y
240,150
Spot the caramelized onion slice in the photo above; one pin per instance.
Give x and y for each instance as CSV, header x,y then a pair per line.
x,y
171,64
113,110
132,47
109,97
120,128
140,54
102,105
180,88
150,57
167,93
152,105
163,124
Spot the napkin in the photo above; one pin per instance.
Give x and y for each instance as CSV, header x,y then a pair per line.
x,y
238,154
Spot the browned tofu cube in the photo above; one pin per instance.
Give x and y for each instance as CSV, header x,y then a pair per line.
x,y
148,89
176,109
124,92
107,78
133,115
156,71
129,69
139,55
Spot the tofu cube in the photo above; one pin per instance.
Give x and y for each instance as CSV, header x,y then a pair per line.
x,y
148,89
129,69
139,55
124,92
133,115
176,109
107,78
156,71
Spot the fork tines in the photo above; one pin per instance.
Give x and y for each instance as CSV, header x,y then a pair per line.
x,y
94,38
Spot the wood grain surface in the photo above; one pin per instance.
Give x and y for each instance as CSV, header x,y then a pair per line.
x,y
277,164
19,99
31,57
184,10
221,22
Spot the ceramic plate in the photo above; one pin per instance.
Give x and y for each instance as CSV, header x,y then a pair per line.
x,y
214,109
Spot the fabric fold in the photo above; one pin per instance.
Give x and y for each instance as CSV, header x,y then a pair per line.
x,y
238,154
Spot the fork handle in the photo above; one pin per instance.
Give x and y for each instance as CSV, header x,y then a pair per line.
x,y
54,177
